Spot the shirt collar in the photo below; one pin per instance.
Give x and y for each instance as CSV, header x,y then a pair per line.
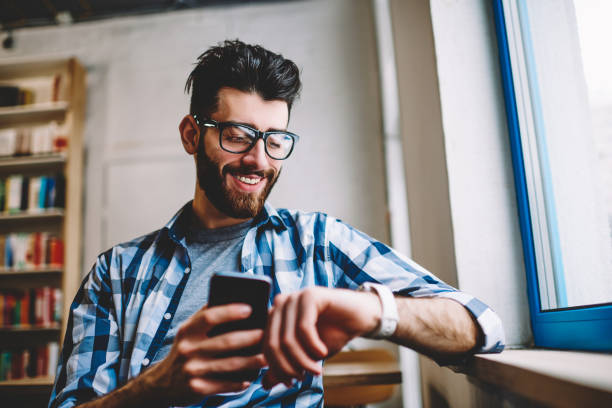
x,y
177,227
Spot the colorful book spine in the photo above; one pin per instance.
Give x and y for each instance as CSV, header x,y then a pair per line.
x,y
36,307
32,194
31,251
35,140
17,363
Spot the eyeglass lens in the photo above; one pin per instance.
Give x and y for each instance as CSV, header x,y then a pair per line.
x,y
237,139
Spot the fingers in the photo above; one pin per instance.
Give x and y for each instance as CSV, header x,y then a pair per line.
x,y
202,367
212,386
221,344
272,339
307,330
288,355
291,345
205,319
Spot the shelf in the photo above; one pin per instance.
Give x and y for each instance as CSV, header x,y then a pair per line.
x,y
16,164
28,336
20,67
29,114
36,381
23,216
26,388
46,270
29,329
548,377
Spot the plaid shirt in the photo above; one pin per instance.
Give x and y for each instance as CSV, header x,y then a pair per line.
x,y
124,307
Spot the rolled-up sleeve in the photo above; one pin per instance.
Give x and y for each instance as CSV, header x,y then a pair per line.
x,y
89,360
357,258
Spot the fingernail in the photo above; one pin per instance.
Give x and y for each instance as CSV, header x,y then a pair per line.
x,y
245,309
246,384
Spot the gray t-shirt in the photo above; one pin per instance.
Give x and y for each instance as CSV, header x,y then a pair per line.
x,y
210,251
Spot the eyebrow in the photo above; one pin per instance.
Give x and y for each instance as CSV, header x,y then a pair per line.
x,y
255,127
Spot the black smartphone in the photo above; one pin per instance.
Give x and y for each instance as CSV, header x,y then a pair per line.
x,y
234,287
254,290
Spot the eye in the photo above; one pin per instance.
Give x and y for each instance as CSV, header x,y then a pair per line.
x,y
279,142
236,136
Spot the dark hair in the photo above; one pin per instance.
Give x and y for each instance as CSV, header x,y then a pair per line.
x,y
248,68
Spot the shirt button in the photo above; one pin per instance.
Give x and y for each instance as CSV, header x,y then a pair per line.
x,y
187,270
167,316
145,362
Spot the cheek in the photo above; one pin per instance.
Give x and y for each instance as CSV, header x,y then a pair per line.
x,y
277,165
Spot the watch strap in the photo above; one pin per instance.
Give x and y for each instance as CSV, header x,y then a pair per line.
x,y
389,317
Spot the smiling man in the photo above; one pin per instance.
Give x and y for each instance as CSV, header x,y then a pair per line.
x,y
138,330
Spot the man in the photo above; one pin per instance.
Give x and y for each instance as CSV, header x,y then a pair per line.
x,y
138,328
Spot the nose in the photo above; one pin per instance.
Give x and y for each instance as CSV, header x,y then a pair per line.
x,y
257,157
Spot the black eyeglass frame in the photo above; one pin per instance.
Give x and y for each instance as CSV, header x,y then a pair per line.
x,y
210,123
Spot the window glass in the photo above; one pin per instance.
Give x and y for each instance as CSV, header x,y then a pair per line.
x,y
562,71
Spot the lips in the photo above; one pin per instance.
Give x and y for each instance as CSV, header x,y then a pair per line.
x,y
248,181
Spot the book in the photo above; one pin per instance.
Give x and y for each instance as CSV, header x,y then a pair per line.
x,y
8,141
34,194
9,95
13,199
2,194
23,202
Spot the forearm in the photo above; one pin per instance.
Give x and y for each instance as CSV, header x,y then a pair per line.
x,y
136,393
437,327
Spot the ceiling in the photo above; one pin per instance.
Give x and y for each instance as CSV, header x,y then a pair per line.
x,y
32,13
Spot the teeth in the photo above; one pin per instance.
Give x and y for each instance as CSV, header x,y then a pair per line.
x,y
248,180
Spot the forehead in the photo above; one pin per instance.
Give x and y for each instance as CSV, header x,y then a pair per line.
x,y
250,108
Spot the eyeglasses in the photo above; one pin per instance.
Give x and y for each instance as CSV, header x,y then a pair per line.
x,y
239,138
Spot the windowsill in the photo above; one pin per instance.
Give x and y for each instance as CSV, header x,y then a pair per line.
x,y
551,377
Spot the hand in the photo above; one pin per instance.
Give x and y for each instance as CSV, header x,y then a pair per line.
x,y
195,363
307,326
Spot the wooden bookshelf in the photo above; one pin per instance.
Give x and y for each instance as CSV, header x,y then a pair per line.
x,y
68,111
26,392
51,161
36,381
25,215
35,113
29,329
43,270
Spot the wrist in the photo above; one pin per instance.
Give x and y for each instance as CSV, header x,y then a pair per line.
x,y
371,320
149,387
389,317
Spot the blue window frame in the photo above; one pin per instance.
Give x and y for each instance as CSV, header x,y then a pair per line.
x,y
555,323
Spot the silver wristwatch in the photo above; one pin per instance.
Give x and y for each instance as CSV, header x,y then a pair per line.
x,y
389,317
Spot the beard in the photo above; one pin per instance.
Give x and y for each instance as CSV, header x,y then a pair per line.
x,y
235,204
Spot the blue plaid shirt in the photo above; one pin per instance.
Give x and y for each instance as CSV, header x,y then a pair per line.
x,y
124,307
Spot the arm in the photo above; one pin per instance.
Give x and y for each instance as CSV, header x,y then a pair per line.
x,y
437,327
435,319
92,324
315,323
90,357
188,373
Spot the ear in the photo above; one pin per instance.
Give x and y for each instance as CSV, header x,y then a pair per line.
x,y
190,134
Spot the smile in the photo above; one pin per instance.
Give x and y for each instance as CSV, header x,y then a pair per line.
x,y
248,180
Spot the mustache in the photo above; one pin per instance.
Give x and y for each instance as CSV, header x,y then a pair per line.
x,y
248,170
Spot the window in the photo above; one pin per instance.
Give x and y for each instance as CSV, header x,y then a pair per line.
x,y
558,92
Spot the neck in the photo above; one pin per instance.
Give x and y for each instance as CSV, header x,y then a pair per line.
x,y
208,215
